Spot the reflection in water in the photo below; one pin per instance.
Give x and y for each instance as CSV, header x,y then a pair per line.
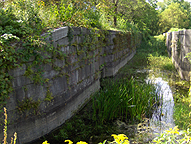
x,y
162,118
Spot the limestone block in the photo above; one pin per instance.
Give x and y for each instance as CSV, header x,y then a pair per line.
x,y
11,102
85,31
63,41
35,91
102,61
55,44
188,38
74,40
21,81
19,93
109,58
81,74
73,58
93,68
81,39
73,79
50,74
73,49
59,33
81,56
75,31
59,85
17,71
46,67
74,67
81,85
65,50
87,70
59,63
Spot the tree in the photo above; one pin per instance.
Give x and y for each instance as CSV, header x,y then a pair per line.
x,y
173,16
141,13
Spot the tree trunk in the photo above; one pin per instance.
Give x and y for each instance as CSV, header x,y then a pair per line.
x,y
115,18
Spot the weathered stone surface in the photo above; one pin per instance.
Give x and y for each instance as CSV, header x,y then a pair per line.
x,y
67,84
75,31
178,46
59,63
50,74
65,50
63,42
111,71
18,71
35,91
21,81
59,85
19,93
59,33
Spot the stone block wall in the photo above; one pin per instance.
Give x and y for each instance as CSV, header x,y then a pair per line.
x,y
46,95
178,46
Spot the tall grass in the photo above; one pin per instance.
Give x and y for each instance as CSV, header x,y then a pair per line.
x,y
125,99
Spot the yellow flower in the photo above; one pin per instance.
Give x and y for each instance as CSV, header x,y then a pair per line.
x,y
81,142
122,137
172,131
114,136
126,142
45,142
69,141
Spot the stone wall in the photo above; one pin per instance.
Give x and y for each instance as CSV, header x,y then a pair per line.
x,y
178,46
35,108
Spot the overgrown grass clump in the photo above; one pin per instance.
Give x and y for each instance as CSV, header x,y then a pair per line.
x,y
125,99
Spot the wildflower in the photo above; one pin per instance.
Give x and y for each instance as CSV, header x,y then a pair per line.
x,y
114,136
82,142
121,138
69,141
45,142
40,3
8,36
19,21
173,131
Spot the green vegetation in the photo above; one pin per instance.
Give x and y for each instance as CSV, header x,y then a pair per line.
x,y
124,99
22,23
173,136
174,16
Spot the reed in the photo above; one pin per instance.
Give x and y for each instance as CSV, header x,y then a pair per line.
x,y
125,99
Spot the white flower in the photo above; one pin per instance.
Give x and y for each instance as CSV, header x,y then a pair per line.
x,y
19,21
9,36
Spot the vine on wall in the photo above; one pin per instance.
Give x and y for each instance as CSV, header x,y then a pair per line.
x,y
35,52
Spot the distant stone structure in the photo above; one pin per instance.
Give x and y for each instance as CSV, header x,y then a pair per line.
x,y
35,109
179,45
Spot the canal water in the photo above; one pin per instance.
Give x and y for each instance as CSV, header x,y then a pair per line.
x,y
162,117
